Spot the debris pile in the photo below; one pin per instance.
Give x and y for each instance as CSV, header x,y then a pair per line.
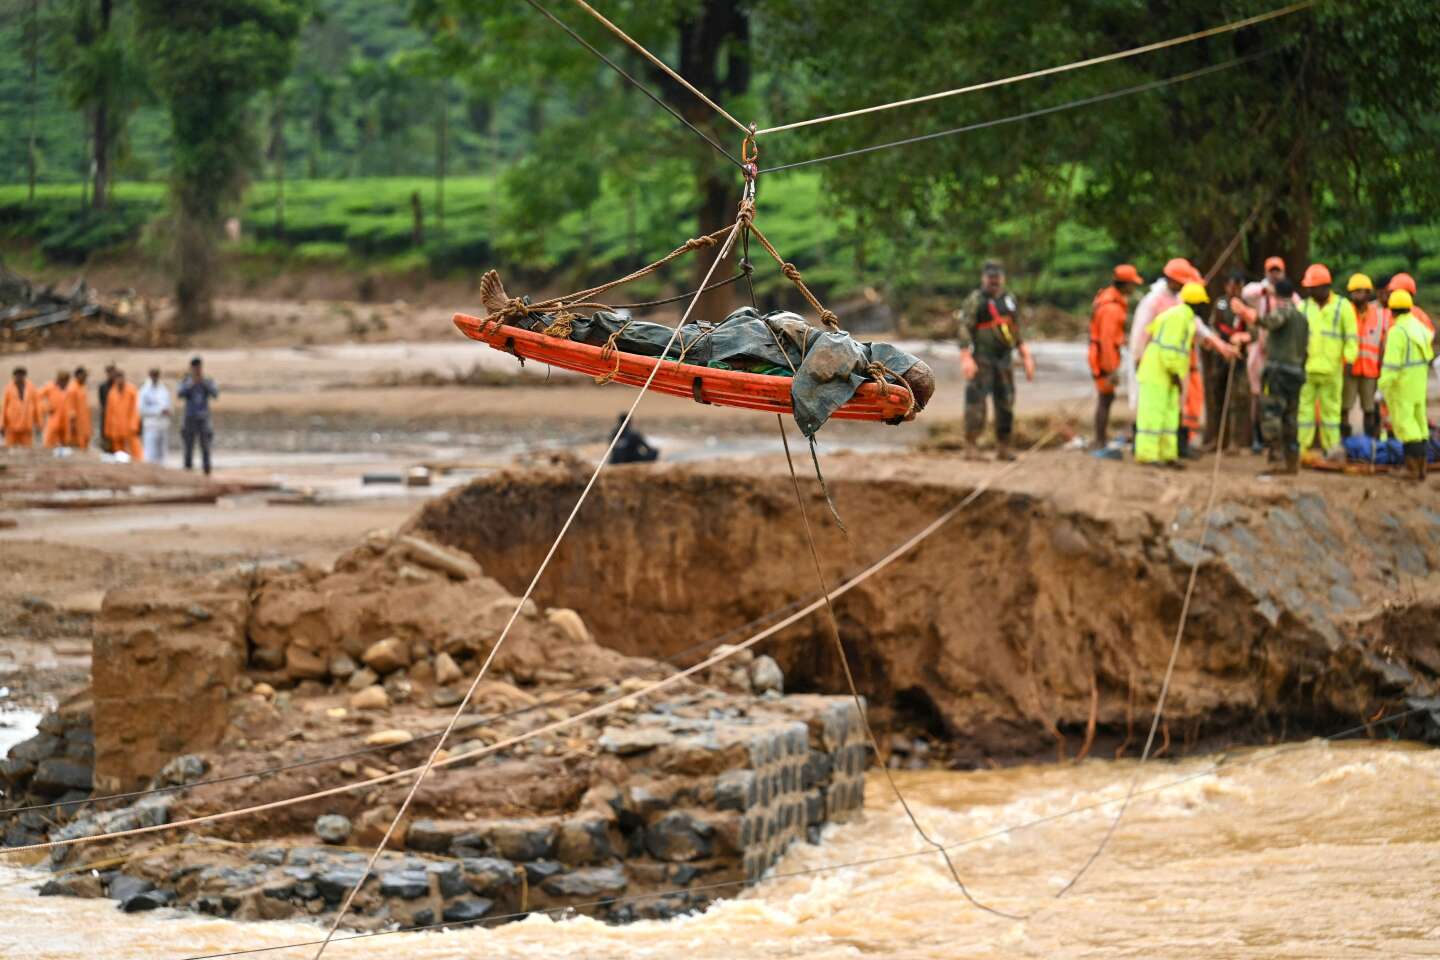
x,y
32,318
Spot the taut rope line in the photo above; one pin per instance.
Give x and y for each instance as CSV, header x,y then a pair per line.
x,y
1050,71
661,64
519,605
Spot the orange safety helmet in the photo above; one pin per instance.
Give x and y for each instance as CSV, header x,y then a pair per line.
x,y
1316,275
1180,270
1276,262
1403,281
1126,273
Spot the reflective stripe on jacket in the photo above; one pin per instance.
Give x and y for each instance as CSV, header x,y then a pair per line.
x,y
1167,355
1333,343
1370,329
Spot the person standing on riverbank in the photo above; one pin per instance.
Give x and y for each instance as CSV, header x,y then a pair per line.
x,y
988,333
155,418
1107,338
55,410
20,410
77,404
197,390
122,418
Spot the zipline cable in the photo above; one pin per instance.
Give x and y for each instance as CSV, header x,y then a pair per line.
x,y
636,83
529,590
1051,71
638,48
1028,115
1224,764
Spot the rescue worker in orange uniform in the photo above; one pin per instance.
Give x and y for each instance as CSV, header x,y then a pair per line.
x,y
1107,337
122,418
55,412
1371,324
20,410
77,404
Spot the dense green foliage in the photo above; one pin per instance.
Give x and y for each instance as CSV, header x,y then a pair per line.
x,y
552,164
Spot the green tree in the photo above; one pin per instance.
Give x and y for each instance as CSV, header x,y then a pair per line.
x,y
1331,123
210,60
92,49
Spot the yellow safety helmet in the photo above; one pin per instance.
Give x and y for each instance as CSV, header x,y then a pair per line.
x,y
1401,300
1194,293
1360,282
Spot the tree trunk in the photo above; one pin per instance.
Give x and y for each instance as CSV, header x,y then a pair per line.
x,y
101,134
194,268
718,31
34,81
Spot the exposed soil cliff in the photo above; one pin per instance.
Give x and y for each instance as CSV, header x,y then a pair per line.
x,y
1051,602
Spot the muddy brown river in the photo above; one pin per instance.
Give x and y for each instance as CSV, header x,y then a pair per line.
x,y
1317,851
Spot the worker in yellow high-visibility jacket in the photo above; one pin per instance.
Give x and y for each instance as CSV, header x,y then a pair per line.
x,y
1404,379
1334,344
1164,368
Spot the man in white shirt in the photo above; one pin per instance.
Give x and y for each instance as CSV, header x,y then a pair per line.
x,y
155,418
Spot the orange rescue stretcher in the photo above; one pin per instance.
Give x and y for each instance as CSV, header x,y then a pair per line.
x,y
726,388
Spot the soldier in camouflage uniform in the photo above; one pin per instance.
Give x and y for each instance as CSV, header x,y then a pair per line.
x,y
987,329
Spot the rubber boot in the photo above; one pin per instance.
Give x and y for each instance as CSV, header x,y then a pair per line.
x,y
1372,424
1002,451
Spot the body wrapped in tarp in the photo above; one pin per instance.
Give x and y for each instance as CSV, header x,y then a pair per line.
x,y
827,367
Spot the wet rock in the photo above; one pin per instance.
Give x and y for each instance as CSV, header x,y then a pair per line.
x,y
332,828
182,770
389,738
734,790
539,871
446,697
273,856
431,836
570,624
57,776
123,887
523,839
302,663
587,882
399,687
584,841
72,885
342,667
488,874
362,678
371,698
766,676
38,748
14,770
149,900
678,836
450,877
626,741
468,910
335,883
405,884
447,671
387,656
453,563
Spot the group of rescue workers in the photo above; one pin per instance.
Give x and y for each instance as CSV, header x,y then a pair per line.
x,y
1262,364
59,413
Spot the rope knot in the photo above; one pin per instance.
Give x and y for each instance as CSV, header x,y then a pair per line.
x,y
563,325
792,273
828,318
696,243
515,307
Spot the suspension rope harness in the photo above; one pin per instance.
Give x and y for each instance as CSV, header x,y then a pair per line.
x,y
1050,71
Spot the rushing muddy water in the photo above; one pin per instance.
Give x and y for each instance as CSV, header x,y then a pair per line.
x,y
1320,850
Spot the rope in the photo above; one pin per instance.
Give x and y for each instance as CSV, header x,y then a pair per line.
x,y
1051,71
792,273
636,83
519,605
855,691
830,867
797,615
659,63
1028,115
